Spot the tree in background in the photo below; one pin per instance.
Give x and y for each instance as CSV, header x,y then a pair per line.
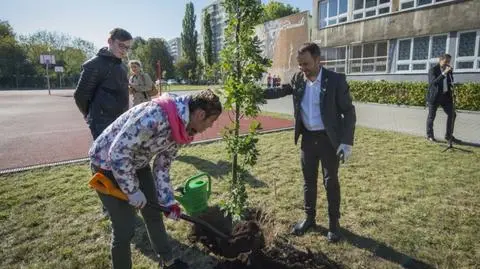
x,y
182,67
21,57
153,50
274,10
137,42
242,67
207,40
189,40
13,60
211,69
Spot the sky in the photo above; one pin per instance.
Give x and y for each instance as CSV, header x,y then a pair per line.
x,y
93,19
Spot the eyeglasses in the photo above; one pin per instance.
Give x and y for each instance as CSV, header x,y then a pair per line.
x,y
124,47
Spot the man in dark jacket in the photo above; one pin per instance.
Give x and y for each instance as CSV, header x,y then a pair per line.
x,y
102,91
325,117
440,79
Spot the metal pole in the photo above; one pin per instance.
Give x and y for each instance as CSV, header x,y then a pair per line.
x,y
48,79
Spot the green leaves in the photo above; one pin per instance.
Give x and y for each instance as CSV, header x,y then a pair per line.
x,y
189,40
242,66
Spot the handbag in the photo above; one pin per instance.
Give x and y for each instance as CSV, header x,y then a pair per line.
x,y
153,92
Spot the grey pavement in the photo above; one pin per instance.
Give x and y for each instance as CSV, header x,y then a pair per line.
x,y
403,119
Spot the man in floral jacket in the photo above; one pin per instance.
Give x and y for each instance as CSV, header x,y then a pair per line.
x,y
154,129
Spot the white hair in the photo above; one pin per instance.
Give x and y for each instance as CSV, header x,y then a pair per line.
x,y
137,62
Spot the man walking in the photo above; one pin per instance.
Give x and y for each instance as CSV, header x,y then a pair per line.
x,y
325,117
440,79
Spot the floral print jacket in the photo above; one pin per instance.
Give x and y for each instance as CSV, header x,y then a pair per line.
x,y
132,140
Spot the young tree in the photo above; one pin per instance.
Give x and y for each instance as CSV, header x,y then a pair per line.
x,y
189,38
242,66
207,40
274,10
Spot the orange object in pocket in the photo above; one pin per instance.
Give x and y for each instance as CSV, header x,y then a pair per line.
x,y
105,185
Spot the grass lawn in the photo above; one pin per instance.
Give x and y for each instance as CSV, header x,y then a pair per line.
x,y
401,199
180,87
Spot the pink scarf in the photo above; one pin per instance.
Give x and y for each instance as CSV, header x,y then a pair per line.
x,y
179,132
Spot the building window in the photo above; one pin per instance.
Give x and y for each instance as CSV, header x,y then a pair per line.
x,y
406,4
368,58
468,51
332,12
369,8
420,53
335,59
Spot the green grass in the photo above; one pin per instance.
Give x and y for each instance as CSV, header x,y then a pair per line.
x,y
179,87
401,198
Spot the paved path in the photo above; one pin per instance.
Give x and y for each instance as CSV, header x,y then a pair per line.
x,y
39,129
400,119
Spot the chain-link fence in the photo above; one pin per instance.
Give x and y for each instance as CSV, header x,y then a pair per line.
x,y
37,82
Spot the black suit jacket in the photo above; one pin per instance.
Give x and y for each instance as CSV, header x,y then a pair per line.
x,y
337,110
435,83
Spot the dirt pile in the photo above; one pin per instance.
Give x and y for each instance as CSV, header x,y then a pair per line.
x,y
245,236
248,240
279,255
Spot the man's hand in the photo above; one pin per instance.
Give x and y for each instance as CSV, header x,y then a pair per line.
x,y
344,151
175,212
447,69
137,199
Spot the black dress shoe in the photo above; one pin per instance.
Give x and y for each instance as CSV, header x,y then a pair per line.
x,y
334,234
301,227
454,140
334,237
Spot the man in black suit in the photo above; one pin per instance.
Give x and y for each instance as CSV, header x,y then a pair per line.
x,y
325,117
440,79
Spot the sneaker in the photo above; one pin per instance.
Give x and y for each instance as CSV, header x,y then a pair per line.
x,y
431,139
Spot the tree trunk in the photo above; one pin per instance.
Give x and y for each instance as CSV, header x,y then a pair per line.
x,y
237,102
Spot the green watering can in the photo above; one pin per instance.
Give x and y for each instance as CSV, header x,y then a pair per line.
x,y
195,194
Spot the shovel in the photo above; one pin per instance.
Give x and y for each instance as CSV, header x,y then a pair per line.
x,y
104,185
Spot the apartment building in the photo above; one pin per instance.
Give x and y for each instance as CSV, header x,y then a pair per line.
x,y
175,48
218,22
397,39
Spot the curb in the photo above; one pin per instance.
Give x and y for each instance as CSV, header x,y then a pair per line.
x,y
76,161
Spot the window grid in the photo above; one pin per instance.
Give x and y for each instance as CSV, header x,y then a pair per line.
x,y
418,66
331,20
468,63
367,65
337,65
411,4
369,12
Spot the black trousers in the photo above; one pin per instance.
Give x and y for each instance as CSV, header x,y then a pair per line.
x,y
446,102
315,148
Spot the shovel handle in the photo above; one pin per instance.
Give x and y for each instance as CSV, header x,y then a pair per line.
x,y
104,185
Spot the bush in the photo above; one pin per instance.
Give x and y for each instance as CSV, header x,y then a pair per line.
x,y
411,93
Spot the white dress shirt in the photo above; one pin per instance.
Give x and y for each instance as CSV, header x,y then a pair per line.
x,y
310,106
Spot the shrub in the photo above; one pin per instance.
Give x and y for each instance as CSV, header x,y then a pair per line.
x,y
411,93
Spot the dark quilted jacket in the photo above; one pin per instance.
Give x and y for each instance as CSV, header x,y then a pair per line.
x,y
102,91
